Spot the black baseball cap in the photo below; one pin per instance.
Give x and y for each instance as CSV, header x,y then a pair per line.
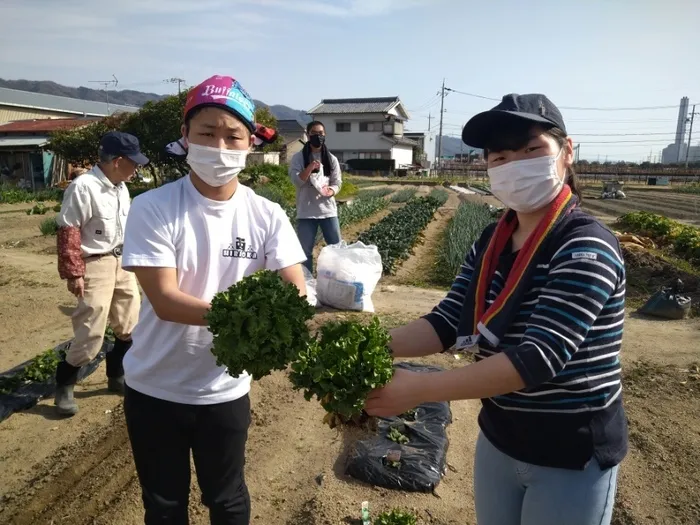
x,y
532,107
122,144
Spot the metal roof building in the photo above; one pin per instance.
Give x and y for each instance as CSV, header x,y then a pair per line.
x,y
24,105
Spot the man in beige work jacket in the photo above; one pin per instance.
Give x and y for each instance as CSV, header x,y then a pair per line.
x,y
90,237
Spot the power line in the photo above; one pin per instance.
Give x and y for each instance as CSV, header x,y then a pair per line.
x,y
574,108
431,102
620,134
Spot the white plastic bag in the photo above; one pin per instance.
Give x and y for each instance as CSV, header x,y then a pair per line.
x,y
347,276
310,287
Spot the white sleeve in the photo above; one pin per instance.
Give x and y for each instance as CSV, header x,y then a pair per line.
x,y
76,208
282,248
147,239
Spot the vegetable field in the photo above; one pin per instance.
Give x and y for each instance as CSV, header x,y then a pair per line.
x,y
79,470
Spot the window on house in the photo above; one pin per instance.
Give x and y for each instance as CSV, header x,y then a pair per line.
x,y
342,127
371,126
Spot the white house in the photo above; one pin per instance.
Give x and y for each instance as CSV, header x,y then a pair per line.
x,y
366,128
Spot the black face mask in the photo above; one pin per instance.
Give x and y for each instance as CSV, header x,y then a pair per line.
x,y
317,140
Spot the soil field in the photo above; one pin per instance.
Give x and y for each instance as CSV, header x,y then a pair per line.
x,y
681,207
79,471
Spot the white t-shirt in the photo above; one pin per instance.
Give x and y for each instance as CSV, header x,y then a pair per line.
x,y
213,245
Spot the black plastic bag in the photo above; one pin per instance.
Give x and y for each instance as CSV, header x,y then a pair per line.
x,y
668,303
416,466
28,395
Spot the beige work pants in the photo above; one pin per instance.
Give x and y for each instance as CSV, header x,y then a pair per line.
x,y
111,295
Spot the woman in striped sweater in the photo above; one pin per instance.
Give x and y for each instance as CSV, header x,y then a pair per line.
x,y
540,300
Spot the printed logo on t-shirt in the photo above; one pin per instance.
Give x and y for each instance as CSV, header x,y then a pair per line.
x,y
238,250
585,255
98,232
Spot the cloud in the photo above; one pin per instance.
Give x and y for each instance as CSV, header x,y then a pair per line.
x,y
338,8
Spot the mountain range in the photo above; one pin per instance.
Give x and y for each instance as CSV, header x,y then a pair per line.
x,y
128,97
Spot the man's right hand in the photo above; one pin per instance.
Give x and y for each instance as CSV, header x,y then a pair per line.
x,y
77,286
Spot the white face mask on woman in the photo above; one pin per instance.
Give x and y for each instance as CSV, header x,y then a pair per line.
x,y
216,166
527,185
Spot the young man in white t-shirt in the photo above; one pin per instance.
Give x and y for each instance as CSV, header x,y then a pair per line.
x,y
185,242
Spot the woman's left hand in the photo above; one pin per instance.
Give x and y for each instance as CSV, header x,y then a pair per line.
x,y
401,394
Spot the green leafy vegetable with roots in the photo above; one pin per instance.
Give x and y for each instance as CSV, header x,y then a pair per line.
x,y
347,362
259,325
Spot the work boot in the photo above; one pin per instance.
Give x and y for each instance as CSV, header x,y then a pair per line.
x,y
65,404
115,369
66,377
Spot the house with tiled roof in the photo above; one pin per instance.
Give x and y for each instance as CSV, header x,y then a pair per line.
x,y
366,128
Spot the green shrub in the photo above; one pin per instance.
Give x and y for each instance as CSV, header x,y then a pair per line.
x,y
277,176
38,209
348,189
48,226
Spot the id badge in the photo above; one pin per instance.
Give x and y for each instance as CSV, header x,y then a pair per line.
x,y
468,342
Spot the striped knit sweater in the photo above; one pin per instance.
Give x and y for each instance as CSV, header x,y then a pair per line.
x,y
565,343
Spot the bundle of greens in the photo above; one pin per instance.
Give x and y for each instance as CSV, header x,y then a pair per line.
x,y
259,325
343,366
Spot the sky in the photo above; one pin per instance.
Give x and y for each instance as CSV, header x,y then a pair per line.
x,y
580,53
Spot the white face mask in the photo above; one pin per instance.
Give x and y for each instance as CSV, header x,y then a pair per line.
x,y
527,185
215,166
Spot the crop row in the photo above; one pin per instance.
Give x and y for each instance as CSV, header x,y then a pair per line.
x,y
397,233
684,239
439,195
17,195
379,192
464,228
404,195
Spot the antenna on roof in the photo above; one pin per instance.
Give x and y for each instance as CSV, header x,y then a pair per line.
x,y
176,80
106,84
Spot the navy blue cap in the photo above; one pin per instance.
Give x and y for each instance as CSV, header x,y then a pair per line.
x,y
533,107
122,144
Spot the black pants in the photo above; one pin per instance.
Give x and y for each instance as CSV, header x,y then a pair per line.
x,y
163,433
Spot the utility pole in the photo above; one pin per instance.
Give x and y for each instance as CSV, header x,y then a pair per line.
x,y
690,135
442,111
106,84
176,80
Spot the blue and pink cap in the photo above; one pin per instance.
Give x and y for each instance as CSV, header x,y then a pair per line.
x,y
226,92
